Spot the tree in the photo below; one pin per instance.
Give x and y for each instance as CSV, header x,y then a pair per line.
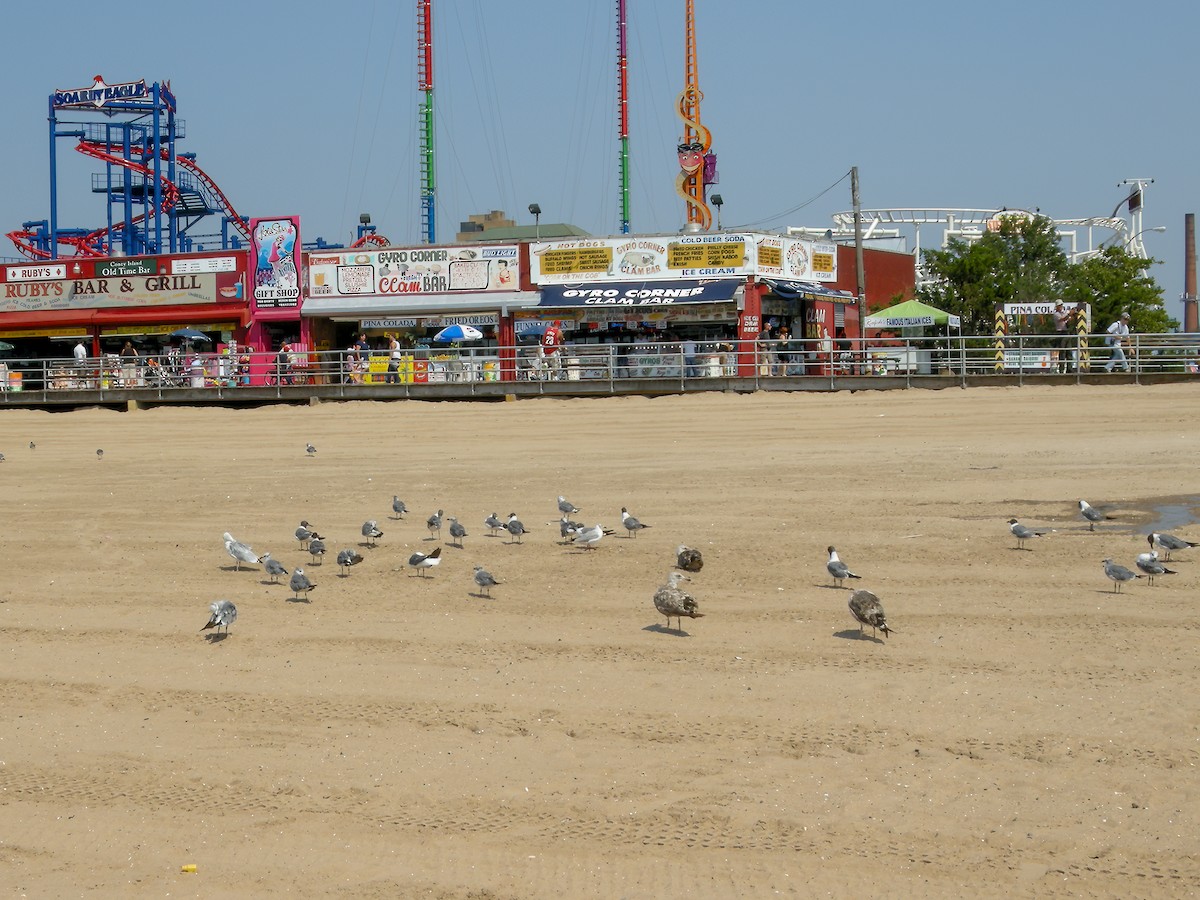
x,y
1022,261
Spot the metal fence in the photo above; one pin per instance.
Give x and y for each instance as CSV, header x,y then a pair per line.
x,y
611,367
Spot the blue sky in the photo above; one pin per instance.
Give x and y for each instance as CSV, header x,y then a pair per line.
x,y
310,108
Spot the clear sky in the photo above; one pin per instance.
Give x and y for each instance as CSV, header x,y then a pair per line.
x,y
311,108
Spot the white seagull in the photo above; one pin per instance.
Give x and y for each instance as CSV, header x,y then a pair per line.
x,y
457,531
317,548
422,561
398,507
239,551
306,533
434,524
224,614
494,523
588,538
1022,533
837,568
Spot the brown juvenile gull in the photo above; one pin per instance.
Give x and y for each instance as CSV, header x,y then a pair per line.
x,y
837,568
867,610
224,614
688,559
671,600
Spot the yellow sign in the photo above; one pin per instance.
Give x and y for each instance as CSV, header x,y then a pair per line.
x,y
705,256
822,262
770,256
76,331
577,259
118,330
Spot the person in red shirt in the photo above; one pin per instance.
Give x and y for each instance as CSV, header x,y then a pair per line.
x,y
552,348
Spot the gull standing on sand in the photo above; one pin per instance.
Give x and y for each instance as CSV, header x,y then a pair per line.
x,y
317,548
348,558
1148,563
484,579
1118,574
494,523
300,584
515,527
1021,533
371,532
422,561
99,454
837,568
1168,542
398,507
1092,514
566,507
434,524
310,449
632,525
588,538
239,551
671,600
306,533
224,614
568,529
457,532
688,559
867,610
273,566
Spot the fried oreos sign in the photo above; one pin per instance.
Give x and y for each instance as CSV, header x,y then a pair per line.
x,y
639,294
100,93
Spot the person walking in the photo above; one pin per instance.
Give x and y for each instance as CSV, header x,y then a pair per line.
x,y
1118,339
1063,336
393,369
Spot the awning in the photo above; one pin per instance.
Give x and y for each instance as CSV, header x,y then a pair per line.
x,y
378,306
811,289
639,294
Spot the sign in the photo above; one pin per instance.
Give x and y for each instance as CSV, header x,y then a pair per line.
x,y
189,266
721,255
398,271
273,245
796,258
131,330
639,294
96,293
116,268
620,259
43,272
66,331
100,93
476,319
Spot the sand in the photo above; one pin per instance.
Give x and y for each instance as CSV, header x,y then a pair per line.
x,y
1025,731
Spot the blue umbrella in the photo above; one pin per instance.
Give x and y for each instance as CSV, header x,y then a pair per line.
x,y
190,334
453,333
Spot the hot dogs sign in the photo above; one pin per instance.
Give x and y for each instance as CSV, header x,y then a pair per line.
x,y
686,256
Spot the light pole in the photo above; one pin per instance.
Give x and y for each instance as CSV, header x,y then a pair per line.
x,y
718,202
536,212
1134,247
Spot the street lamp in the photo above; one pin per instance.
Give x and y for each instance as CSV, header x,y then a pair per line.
x,y
718,201
536,212
1134,246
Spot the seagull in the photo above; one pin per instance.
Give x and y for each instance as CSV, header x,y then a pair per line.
x,y
1092,514
300,583
494,523
398,507
32,445
671,600
422,561
1021,533
434,523
317,548
99,454
371,532
457,531
239,551
567,528
515,527
588,538
273,566
837,568
632,525
867,610
1118,574
1148,563
567,507
224,614
1,457
310,449
305,533
348,558
484,579
688,559
1169,542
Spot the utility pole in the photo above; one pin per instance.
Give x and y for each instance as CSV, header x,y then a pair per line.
x,y
858,244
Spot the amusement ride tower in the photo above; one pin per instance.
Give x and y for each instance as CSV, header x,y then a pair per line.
x,y
698,166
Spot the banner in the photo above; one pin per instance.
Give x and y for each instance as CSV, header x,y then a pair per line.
x,y
412,270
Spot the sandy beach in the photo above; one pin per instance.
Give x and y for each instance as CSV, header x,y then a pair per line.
x,y
1026,731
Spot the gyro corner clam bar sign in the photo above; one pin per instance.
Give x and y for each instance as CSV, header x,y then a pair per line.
x,y
37,288
412,270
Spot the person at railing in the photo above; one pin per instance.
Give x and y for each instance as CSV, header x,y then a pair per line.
x,y
1118,339
353,364
552,348
765,349
81,358
690,360
781,358
283,364
129,364
393,366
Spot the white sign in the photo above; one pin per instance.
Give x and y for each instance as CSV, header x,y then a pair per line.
x,y
208,264
43,272
475,319
400,271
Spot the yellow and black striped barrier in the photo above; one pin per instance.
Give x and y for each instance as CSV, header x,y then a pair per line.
x,y
1001,333
1081,329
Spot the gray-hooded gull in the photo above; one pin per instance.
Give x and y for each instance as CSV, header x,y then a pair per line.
x,y
1118,574
688,559
305,533
672,601
515,527
317,548
273,566
310,449
1148,563
1092,514
494,523
300,584
223,614
632,525
484,579
867,610
568,528
348,558
1169,542
239,551
1022,533
424,561
837,568
370,530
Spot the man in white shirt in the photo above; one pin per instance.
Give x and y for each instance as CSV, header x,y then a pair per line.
x,y
81,354
1118,339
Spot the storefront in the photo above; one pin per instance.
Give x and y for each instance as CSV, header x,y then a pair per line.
x,y
822,323
275,299
410,294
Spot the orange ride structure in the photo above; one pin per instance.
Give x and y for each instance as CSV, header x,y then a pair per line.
x,y
697,164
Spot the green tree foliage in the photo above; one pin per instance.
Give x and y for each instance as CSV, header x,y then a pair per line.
x,y
1023,262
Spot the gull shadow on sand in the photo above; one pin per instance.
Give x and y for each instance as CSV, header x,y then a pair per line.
x,y
833,587
298,600
236,569
853,634
663,629
217,637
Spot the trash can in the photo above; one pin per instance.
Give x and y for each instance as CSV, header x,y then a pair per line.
x,y
15,380
573,368
491,371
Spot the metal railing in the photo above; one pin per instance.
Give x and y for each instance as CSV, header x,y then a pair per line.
x,y
615,367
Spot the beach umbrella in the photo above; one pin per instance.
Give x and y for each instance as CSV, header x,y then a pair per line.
x,y
5,346
190,334
457,333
